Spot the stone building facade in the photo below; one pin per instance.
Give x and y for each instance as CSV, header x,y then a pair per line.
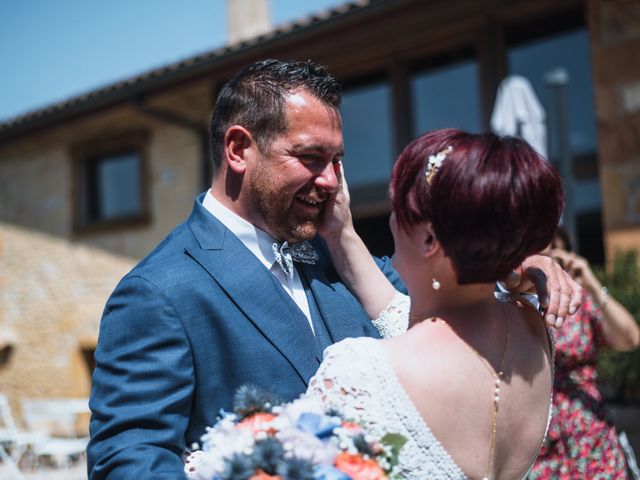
x,y
39,174
162,116
52,293
117,168
615,31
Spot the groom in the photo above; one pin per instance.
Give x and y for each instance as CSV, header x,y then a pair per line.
x,y
219,303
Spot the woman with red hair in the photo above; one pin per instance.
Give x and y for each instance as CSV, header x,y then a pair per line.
x,y
464,374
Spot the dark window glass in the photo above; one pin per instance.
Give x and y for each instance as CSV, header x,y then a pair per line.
x,y
376,233
535,59
589,231
446,96
569,51
366,121
112,188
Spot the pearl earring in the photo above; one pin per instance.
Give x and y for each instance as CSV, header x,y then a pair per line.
x,y
435,284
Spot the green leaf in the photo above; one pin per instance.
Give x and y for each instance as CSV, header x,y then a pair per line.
x,y
395,442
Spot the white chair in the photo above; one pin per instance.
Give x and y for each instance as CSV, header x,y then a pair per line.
x,y
58,417
16,445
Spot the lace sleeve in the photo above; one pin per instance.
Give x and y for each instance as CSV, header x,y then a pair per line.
x,y
394,319
342,381
356,379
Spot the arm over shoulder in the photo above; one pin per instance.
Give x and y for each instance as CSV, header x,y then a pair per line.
x,y
385,264
142,387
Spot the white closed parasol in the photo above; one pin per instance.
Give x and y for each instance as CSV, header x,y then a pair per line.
x,y
518,112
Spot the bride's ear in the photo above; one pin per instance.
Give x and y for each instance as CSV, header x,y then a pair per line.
x,y
430,243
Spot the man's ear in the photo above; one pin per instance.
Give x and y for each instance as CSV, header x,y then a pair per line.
x,y
238,146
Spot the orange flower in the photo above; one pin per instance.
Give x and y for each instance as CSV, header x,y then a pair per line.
x,y
260,475
351,426
258,422
358,468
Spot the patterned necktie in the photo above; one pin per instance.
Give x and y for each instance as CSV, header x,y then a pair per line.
x,y
286,254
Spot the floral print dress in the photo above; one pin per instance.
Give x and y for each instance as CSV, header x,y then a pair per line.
x,y
580,443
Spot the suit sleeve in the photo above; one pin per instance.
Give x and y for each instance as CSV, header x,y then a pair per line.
x,y
142,387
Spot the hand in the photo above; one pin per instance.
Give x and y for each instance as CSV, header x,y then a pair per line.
x,y
620,330
559,295
579,270
337,212
349,254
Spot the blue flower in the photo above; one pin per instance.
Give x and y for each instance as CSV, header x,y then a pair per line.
x,y
223,414
238,467
319,425
296,469
267,454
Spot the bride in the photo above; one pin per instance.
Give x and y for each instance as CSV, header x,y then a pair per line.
x,y
469,383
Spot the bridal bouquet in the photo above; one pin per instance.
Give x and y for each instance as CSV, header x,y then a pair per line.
x,y
294,441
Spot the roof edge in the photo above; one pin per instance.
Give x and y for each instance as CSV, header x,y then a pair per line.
x,y
173,73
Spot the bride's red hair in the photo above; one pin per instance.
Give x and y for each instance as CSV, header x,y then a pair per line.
x,y
493,201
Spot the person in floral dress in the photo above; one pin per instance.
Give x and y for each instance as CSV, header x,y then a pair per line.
x,y
581,443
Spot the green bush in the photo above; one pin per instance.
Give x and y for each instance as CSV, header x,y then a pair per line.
x,y
621,370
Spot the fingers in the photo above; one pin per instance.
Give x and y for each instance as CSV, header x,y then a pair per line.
x,y
336,215
557,292
512,281
576,298
577,267
343,186
547,290
539,280
561,256
556,310
564,295
339,171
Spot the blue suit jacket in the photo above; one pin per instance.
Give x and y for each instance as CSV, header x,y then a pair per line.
x,y
197,318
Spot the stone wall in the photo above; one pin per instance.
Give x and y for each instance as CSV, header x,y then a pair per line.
x,y
36,171
54,281
615,36
52,293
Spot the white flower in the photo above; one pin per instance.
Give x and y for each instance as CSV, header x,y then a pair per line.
x,y
304,404
219,443
306,445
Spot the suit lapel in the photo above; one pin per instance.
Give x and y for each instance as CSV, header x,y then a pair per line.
x,y
254,290
342,313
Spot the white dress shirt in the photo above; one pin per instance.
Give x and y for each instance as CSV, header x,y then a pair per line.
x,y
260,244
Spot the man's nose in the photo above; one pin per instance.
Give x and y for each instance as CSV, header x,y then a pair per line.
x,y
327,179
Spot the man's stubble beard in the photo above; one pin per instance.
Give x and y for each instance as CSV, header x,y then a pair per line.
x,y
274,207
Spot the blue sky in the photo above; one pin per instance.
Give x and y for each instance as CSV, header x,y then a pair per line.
x,y
54,49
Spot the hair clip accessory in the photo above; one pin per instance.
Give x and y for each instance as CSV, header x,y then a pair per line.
x,y
434,163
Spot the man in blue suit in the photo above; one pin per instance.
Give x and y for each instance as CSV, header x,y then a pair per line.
x,y
210,308
222,302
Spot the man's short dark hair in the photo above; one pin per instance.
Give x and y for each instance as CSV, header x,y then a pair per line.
x,y
255,98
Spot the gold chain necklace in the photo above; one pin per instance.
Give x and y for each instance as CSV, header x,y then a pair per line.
x,y
497,379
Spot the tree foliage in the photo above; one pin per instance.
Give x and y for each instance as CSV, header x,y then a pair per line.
x,y
620,371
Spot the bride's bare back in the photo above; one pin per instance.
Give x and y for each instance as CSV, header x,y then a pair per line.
x,y
452,388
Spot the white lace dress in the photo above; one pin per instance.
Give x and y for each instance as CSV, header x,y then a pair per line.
x,y
357,379
359,367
